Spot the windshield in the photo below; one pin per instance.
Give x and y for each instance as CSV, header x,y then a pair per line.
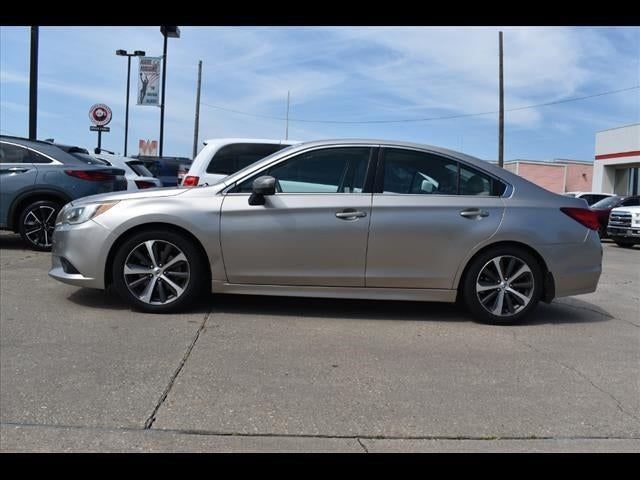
x,y
88,159
605,203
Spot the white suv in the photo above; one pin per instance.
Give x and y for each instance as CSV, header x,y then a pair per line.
x,y
624,226
221,157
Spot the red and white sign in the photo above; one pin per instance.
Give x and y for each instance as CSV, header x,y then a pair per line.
x,y
148,148
100,114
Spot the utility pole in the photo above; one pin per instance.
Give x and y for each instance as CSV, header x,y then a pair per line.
x,y
286,131
501,119
33,85
197,121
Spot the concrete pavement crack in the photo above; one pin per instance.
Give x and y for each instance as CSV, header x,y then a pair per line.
x,y
366,450
152,418
580,374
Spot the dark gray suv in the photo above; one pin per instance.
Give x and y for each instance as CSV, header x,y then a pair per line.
x,y
37,179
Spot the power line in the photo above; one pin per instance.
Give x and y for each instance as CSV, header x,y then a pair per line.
x,y
408,120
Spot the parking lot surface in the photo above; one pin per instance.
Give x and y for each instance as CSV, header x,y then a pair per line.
x,y
80,371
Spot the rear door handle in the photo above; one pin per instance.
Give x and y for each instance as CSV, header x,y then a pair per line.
x,y
17,169
474,213
350,214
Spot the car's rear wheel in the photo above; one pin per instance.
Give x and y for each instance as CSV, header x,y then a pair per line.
x,y
37,223
502,285
158,271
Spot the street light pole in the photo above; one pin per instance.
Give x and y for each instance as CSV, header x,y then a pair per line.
x,y
173,32
123,53
33,85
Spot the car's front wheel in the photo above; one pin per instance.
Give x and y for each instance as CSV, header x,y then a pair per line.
x,y
158,271
37,223
502,285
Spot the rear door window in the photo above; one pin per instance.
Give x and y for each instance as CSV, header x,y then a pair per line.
x,y
474,182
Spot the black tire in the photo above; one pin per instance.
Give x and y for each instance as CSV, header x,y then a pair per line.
x,y
37,222
471,297
602,232
625,243
195,269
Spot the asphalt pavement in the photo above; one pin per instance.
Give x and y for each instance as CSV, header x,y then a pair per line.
x,y
80,371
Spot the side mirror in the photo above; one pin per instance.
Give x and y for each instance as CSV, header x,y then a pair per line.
x,y
262,186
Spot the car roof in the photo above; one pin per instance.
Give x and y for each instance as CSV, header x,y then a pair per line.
x,y
47,148
229,140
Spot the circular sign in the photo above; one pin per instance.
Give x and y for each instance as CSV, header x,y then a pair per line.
x,y
100,114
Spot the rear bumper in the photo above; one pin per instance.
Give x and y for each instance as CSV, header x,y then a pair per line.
x,y
575,268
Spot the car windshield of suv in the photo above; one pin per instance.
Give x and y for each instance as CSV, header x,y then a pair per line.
x,y
605,203
88,159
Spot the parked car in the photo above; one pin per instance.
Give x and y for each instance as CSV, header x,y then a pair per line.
x,y
37,178
624,226
137,175
604,206
342,218
166,169
589,197
221,157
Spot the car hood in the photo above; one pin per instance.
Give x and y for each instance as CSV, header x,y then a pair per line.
x,y
128,195
630,209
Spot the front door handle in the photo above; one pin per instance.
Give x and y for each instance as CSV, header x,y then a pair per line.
x,y
474,213
350,214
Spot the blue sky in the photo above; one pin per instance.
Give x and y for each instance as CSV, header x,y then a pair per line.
x,y
337,73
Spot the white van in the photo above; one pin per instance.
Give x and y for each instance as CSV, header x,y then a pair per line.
x,y
221,157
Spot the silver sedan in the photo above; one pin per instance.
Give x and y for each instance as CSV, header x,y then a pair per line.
x,y
345,219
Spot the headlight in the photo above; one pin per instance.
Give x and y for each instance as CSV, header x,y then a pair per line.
x,y
81,213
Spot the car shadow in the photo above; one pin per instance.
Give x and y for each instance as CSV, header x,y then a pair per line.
x,y
12,241
558,312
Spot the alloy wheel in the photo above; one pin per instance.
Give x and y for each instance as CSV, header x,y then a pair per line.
x,y
39,224
156,272
505,285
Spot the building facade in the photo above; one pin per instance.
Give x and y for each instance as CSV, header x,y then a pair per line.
x,y
557,175
617,160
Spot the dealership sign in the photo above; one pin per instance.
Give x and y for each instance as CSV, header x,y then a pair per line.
x,y
100,114
149,81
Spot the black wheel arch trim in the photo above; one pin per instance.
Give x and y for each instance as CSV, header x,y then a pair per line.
x,y
34,193
548,282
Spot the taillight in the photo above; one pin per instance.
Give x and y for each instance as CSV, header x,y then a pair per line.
x,y
584,216
91,175
144,184
190,181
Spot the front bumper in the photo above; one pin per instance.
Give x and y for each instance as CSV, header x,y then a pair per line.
x,y
624,232
83,247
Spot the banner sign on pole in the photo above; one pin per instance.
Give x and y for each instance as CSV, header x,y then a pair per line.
x,y
149,81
